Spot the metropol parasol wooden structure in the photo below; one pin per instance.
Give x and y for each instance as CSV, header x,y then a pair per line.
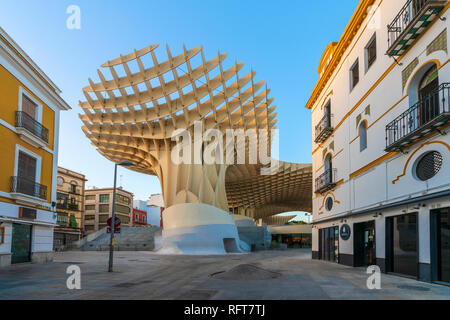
x,y
132,117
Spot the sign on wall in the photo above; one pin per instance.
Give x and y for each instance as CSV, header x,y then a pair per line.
x,y
345,232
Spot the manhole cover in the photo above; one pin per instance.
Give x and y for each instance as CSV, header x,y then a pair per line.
x,y
416,288
246,272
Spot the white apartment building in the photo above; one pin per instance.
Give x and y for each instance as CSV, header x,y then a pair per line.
x,y
381,148
153,209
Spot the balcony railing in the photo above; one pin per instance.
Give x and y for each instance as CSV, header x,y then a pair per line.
x,y
62,220
28,187
326,181
67,205
410,22
323,129
24,120
426,115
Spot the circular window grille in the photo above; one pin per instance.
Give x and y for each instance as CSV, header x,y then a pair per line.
x,y
329,204
429,165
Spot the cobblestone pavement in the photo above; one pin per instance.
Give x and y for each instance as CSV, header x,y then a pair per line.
x,y
149,275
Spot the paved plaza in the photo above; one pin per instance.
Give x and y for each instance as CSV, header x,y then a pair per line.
x,y
264,275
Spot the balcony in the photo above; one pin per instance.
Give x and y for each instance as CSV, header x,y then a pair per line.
x,y
62,221
323,129
64,205
411,21
326,181
30,130
426,115
25,190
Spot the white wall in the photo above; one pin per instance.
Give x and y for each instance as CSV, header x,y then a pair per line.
x,y
376,185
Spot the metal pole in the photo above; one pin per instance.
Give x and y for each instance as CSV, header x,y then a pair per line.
x,y
113,223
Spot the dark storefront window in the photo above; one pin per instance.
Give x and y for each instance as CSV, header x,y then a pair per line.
x,y
444,246
329,244
293,241
440,245
402,240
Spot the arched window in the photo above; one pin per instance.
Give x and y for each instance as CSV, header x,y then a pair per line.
x,y
362,136
429,96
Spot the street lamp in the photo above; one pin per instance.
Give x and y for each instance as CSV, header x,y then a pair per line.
x,y
113,216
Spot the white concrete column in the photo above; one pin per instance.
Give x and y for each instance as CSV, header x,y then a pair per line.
x,y
424,235
380,237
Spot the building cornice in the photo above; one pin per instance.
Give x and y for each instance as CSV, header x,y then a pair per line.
x,y
338,50
31,68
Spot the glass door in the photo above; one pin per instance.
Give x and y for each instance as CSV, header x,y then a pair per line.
x,y
444,245
404,253
21,243
369,246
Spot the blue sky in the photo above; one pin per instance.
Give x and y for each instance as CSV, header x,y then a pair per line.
x,y
282,40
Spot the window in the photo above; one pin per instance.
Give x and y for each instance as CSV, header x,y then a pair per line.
x,y
136,218
329,204
73,187
428,165
103,208
362,136
371,52
2,235
122,209
89,217
124,219
104,198
103,218
354,75
122,199
89,207
89,228
27,167
90,197
29,106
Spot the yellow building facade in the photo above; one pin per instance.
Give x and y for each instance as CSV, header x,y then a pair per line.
x,y
29,125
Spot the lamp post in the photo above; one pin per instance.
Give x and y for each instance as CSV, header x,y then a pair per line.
x,y
113,215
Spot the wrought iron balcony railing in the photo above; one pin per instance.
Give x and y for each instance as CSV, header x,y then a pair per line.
x,y
64,205
326,181
410,22
426,115
323,129
24,120
25,186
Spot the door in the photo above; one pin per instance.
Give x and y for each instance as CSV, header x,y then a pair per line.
x,y
428,108
444,245
369,246
403,244
327,111
364,244
21,243
26,174
328,165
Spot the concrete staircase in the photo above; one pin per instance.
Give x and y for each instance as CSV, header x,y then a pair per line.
x,y
130,239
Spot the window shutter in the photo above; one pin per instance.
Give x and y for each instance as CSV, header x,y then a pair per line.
x,y
29,106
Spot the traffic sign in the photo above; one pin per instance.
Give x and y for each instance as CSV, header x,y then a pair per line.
x,y
117,223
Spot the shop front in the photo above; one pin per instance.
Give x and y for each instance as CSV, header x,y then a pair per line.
x,y
440,245
329,244
402,244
